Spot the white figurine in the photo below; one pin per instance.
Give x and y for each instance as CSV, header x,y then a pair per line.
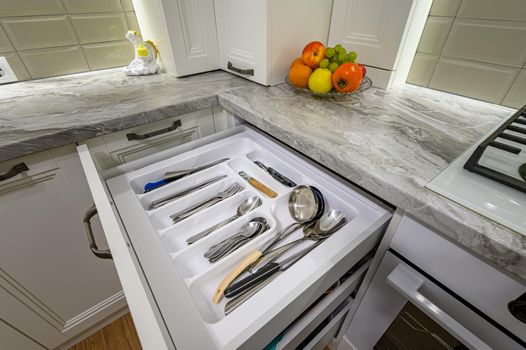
x,y
145,61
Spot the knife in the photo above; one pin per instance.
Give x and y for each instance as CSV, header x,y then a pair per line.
x,y
282,179
160,202
267,271
178,174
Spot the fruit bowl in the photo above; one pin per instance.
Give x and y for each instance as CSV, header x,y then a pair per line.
x,y
364,85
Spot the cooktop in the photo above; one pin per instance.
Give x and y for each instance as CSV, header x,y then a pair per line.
x,y
490,177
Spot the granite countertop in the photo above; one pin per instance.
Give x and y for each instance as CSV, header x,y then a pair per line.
x,y
391,143
48,113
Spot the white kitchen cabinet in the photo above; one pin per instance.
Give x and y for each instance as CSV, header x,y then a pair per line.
x,y
168,283
259,39
183,30
138,142
12,339
52,286
384,33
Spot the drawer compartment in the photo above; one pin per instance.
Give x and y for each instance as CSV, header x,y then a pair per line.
x,y
182,279
302,328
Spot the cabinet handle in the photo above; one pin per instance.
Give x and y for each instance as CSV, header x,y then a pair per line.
x,y
14,171
103,254
133,136
239,70
408,284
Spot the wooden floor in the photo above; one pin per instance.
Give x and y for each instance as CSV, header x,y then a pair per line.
x,y
118,335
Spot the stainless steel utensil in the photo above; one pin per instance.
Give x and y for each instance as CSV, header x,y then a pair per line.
x,y
258,185
177,174
240,235
247,232
328,224
233,304
246,206
230,191
160,202
270,270
282,179
303,207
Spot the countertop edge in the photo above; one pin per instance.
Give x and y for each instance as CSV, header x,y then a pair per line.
x,y
88,131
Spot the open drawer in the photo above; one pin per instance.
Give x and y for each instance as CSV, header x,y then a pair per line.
x,y
169,284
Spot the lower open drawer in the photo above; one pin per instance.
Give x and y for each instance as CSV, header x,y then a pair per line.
x,y
181,282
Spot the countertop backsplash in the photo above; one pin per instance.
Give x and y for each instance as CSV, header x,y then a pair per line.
x,y
44,38
474,48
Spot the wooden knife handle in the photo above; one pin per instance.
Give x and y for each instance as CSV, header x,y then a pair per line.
x,y
263,188
238,270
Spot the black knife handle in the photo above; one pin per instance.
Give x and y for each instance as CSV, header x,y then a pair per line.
x,y
252,280
281,178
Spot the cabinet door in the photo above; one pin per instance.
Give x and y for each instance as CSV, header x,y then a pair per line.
x,y
242,34
45,261
373,28
185,31
12,339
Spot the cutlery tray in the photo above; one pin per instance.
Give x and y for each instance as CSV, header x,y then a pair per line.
x,y
318,269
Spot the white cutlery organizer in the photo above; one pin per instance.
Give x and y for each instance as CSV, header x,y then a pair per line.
x,y
287,295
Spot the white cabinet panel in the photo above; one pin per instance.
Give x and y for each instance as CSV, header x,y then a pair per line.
x,y
45,259
185,31
242,31
266,35
384,33
13,339
373,28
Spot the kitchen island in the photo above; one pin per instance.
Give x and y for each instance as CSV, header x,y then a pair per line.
x,y
390,143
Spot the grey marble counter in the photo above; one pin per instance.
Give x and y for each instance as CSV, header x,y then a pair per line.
x,y
391,143
47,113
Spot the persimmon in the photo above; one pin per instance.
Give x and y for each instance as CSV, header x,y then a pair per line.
x,y
347,77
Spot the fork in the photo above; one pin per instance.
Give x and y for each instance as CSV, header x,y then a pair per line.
x,y
230,191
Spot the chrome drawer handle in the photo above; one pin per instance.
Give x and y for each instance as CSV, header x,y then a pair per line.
x,y
134,136
103,254
14,171
239,70
407,283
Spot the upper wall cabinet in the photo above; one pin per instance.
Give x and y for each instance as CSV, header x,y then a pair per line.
x,y
385,33
185,32
258,39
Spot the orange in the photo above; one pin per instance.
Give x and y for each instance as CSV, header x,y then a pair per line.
x,y
299,75
296,61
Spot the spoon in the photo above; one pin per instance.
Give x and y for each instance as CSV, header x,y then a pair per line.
x,y
303,207
329,223
234,237
246,206
246,233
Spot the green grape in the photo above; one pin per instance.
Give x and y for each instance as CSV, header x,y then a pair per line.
x,y
352,56
324,63
334,58
342,57
339,50
333,66
330,52
339,46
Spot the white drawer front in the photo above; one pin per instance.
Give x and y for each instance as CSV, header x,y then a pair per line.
x,y
182,281
480,284
136,143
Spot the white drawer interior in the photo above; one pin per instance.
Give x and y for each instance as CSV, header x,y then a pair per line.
x,y
315,272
